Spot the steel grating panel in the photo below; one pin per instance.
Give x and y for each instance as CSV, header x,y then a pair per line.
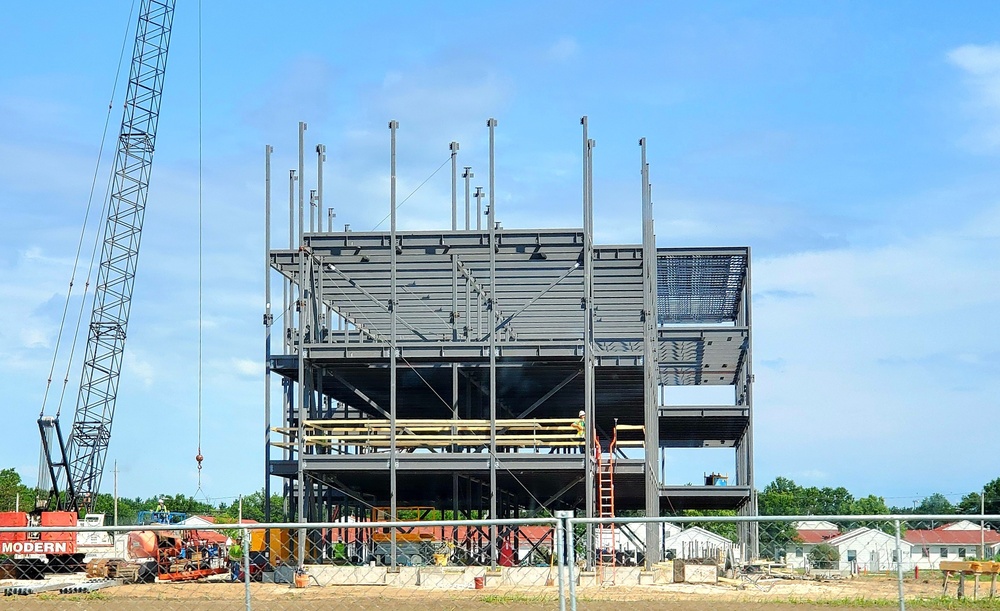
x,y
699,286
702,356
703,426
680,498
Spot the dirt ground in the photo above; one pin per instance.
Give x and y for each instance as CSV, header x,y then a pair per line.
x,y
776,595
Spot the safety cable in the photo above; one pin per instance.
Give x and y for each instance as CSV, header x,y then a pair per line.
x,y
443,163
83,232
199,456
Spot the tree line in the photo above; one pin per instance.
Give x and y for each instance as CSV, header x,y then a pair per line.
x,y
781,497
14,494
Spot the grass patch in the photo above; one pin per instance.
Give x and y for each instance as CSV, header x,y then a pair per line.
x,y
940,602
503,599
74,597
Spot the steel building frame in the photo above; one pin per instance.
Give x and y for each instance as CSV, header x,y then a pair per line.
x,y
404,357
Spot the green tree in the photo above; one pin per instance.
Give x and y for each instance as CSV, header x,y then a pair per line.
x,y
128,509
779,498
936,503
824,556
726,529
872,505
970,503
253,508
13,493
179,503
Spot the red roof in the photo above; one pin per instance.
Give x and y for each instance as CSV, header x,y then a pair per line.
x,y
815,536
951,537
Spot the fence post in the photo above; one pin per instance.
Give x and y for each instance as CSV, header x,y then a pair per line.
x,y
246,567
570,538
899,568
562,518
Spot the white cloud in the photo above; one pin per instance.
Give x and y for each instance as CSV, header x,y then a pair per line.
x,y
563,49
139,367
872,344
980,60
247,367
981,66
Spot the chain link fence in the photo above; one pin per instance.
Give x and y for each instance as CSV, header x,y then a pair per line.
x,y
562,562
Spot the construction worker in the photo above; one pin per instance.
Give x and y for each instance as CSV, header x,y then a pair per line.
x,y
235,558
161,515
580,424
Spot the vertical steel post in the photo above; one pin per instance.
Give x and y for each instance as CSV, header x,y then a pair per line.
x,y
268,319
302,190
588,350
569,540
393,126
494,289
899,569
754,531
320,158
558,549
301,418
313,213
300,308
650,367
287,315
245,544
467,174
453,147
288,318
479,208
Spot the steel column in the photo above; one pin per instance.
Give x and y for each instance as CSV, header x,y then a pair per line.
x,y
268,319
588,347
453,147
494,289
650,368
393,126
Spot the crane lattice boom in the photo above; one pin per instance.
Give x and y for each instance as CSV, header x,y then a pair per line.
x,y
88,440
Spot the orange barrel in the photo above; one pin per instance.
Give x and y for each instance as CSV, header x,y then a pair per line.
x,y
479,583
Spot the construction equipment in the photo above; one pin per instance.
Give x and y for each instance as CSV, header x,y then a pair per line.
x,y
606,548
71,469
177,555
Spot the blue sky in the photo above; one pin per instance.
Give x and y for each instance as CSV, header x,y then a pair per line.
x,y
853,146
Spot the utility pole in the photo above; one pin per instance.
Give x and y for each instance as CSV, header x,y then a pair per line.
x,y
116,493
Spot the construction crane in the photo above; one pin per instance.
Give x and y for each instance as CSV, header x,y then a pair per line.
x,y
70,470
74,466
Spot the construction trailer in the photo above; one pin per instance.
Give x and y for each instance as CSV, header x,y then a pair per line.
x,y
448,368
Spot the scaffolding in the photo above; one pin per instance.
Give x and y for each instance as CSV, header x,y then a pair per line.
x,y
443,368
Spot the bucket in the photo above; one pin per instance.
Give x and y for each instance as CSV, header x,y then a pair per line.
x,y
301,580
479,583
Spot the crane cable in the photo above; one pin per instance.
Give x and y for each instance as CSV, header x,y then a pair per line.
x,y
79,246
199,457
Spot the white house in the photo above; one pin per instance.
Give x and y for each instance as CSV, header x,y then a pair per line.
x,y
955,541
868,550
809,534
630,539
860,550
696,542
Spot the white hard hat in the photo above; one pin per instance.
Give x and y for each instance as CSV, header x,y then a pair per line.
x,y
583,413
